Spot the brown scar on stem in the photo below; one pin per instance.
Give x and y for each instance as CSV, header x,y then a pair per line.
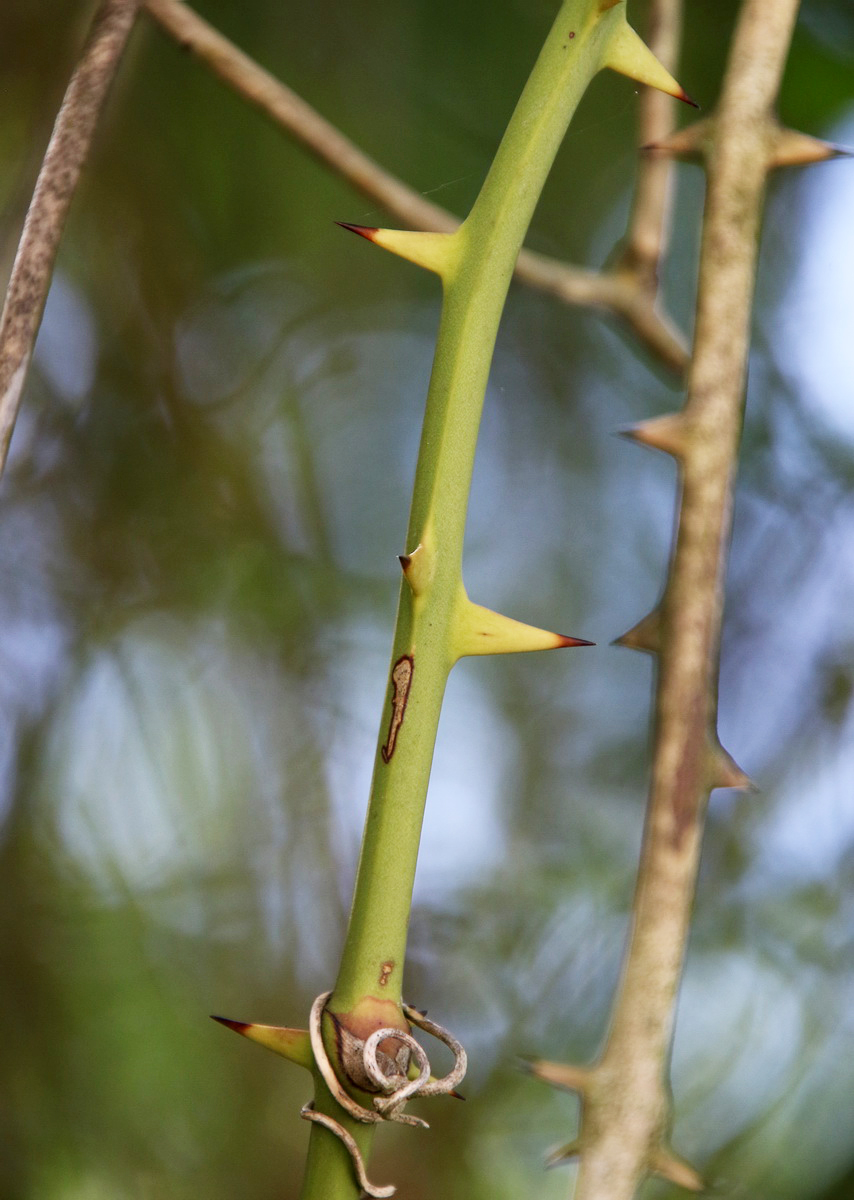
x,y
385,972
401,679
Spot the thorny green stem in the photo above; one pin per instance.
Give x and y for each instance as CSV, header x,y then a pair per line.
x,y
486,249
479,266
610,291
626,1107
57,181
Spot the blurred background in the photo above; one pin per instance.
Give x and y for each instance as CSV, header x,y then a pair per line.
x,y
208,487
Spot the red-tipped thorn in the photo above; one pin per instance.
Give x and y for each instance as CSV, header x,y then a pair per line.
x,y
365,231
686,99
293,1044
563,641
237,1026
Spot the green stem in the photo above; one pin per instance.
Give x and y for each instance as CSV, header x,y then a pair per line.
x,y
484,252
476,273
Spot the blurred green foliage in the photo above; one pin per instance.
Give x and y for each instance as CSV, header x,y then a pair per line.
x,y
207,490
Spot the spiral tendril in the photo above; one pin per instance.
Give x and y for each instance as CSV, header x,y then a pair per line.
x,y
396,1087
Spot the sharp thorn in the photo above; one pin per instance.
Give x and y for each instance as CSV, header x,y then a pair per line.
x,y
560,1075
237,1026
563,1154
795,149
688,143
666,433
433,251
293,1044
666,1164
479,630
726,773
365,231
417,568
645,636
629,55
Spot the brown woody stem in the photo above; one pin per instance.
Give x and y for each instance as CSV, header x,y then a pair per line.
x,y
648,222
57,181
626,1104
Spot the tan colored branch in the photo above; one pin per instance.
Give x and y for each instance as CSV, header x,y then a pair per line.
x,y
626,1106
618,293
57,181
651,205
626,1111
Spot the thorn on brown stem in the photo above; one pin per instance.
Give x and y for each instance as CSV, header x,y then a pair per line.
x,y
668,433
796,149
687,143
564,1154
665,1163
644,636
560,1075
